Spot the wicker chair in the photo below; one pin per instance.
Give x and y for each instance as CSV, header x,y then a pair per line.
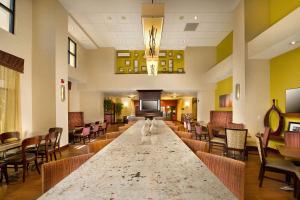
x,y
273,165
230,172
96,146
113,135
196,145
53,172
236,142
183,134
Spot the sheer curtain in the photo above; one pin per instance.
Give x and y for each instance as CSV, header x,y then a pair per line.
x,y
9,100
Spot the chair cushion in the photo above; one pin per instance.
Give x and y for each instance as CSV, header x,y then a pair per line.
x,y
218,140
18,158
280,164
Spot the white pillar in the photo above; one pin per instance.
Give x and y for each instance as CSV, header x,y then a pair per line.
x,y
205,103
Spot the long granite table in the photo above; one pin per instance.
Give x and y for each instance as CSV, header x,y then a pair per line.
x,y
139,167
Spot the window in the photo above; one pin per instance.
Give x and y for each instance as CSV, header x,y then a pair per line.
x,y
7,15
72,53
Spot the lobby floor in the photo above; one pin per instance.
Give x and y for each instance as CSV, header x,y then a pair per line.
x,y
32,188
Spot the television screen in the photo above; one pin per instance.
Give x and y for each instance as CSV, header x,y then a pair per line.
x,y
292,101
149,105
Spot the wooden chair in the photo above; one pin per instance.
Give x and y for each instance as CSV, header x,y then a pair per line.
x,y
103,128
273,165
95,130
25,157
230,172
201,131
292,139
54,172
85,134
183,134
215,141
236,142
113,135
60,131
49,148
96,146
3,168
196,145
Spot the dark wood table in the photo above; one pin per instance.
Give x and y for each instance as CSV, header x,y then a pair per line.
x,y
289,152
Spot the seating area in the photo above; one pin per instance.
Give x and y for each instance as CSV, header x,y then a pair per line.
x,y
149,99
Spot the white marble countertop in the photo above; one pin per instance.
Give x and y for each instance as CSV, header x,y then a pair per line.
x,y
133,167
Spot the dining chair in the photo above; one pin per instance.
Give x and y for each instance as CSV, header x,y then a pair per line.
x,y
201,131
231,172
60,131
3,168
215,141
292,139
95,130
85,134
113,135
103,128
196,145
54,172
96,146
277,165
235,141
183,134
49,148
25,158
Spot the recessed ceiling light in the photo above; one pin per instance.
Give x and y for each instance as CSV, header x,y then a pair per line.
x,y
293,42
181,17
109,17
123,17
72,28
195,17
184,41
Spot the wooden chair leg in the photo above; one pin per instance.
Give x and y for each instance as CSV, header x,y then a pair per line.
x,y
262,176
59,151
37,166
24,171
4,171
54,155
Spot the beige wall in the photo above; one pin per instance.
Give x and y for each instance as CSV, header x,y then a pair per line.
x,y
257,93
20,44
74,97
49,67
91,103
101,66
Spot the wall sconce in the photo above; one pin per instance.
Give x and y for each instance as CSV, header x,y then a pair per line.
x,y
62,90
186,104
125,104
237,91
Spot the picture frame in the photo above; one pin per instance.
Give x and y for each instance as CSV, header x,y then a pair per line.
x,y
178,56
127,62
171,54
225,101
180,70
163,63
294,126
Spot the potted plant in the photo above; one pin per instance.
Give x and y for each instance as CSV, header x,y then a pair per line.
x,y
108,105
118,111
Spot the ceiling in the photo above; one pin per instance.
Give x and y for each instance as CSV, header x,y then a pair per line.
x,y
117,23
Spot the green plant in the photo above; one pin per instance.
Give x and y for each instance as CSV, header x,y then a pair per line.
x,y
118,108
107,105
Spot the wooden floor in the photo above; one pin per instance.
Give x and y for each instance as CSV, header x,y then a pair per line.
x,y
31,189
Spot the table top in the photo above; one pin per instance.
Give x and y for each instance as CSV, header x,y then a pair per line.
x,y
133,166
288,152
10,145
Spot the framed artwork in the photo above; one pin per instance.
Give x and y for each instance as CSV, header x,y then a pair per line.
x,y
178,56
162,54
170,54
163,63
225,101
127,62
294,126
121,69
119,54
180,70
136,54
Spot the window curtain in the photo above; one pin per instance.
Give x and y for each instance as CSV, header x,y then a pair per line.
x,y
9,100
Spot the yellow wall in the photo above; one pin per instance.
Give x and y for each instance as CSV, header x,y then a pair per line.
x,y
223,87
280,8
184,105
224,49
284,74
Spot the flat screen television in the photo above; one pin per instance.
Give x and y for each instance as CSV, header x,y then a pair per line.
x,y
292,99
149,104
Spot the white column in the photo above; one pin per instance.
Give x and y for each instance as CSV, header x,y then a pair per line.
x,y
205,103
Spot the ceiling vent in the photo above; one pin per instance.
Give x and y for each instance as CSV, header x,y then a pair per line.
x,y
191,26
